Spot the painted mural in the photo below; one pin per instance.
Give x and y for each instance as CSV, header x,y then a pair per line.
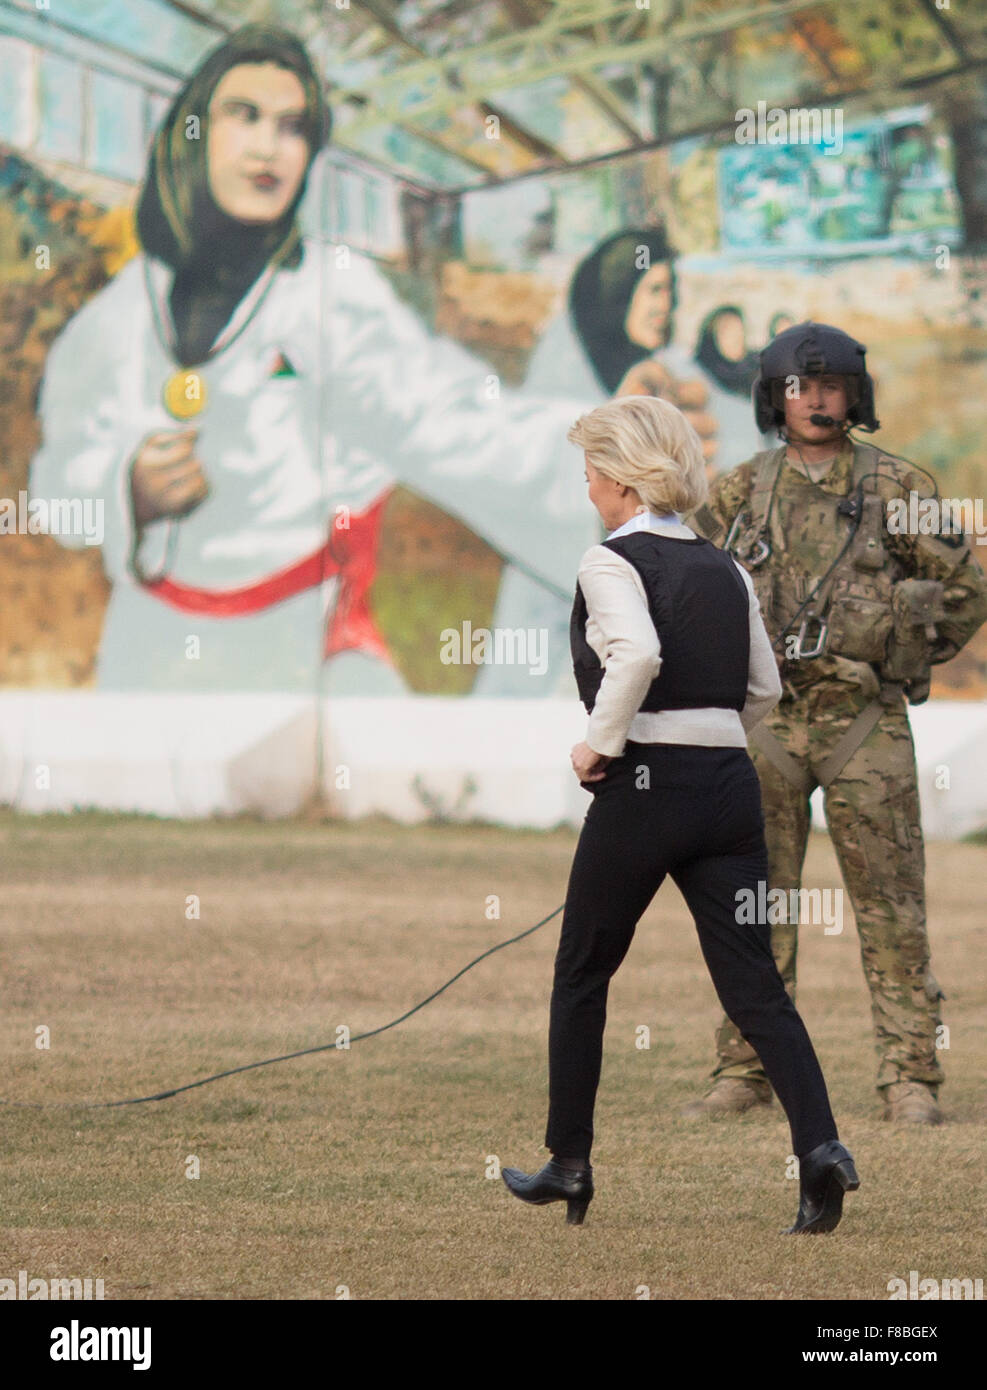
x,y
269,429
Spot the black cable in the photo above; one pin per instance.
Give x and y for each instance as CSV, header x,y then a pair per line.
x,y
286,1057
900,459
856,519
798,613
765,530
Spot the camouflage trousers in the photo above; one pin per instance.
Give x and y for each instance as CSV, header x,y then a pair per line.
x,y
872,812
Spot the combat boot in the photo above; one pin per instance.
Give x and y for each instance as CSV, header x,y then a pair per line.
x,y
911,1103
731,1095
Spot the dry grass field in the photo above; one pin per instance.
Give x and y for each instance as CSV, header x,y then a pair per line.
x,y
366,1169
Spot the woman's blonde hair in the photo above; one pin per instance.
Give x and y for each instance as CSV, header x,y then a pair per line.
x,y
649,445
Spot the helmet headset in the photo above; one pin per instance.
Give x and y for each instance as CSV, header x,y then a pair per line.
x,y
813,349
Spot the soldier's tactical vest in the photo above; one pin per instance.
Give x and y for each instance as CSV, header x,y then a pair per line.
x,y
842,608
699,606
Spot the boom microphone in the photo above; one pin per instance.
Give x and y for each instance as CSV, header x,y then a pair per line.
x,y
824,420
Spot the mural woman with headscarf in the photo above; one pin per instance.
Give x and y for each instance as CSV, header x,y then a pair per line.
x,y
613,339
241,398
617,331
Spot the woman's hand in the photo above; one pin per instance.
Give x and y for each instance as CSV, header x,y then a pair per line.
x,y
588,765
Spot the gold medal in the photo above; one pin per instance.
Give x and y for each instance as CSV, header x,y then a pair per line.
x,y
185,395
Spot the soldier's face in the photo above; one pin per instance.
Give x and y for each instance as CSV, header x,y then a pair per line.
x,y
815,395
257,150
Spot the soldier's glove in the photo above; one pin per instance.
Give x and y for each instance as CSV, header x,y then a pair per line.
x,y
917,605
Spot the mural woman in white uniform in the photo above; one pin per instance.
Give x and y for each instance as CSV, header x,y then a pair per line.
x,y
242,399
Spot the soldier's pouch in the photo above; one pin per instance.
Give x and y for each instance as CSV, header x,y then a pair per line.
x,y
917,605
860,621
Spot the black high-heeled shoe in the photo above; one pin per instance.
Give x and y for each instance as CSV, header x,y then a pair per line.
x,y
824,1175
554,1183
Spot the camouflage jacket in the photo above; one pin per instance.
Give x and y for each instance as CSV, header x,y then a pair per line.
x,y
806,535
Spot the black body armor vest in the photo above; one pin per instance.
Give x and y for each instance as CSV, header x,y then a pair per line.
x,y
700,608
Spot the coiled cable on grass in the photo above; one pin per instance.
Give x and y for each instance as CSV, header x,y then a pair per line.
x,y
287,1056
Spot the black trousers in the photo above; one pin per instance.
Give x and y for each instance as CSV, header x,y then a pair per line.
x,y
694,813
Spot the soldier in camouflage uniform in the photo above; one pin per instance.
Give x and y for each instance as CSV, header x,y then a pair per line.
x,y
810,522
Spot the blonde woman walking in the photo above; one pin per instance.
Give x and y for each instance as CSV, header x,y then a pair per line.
x,y
674,665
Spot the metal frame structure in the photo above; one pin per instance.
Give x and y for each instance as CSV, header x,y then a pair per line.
x,y
499,90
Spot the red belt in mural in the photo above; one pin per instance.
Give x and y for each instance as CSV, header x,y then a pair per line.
x,y
351,554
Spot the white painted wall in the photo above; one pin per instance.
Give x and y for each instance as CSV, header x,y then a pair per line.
x,y
500,761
